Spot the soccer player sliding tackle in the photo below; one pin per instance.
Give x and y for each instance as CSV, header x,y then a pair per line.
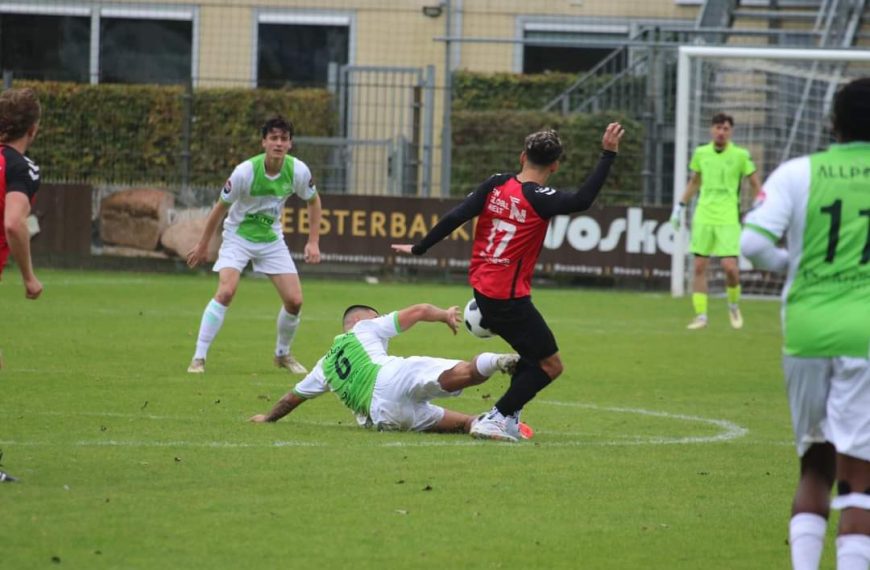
x,y
392,392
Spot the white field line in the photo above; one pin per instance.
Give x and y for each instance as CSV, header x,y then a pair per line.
x,y
727,431
730,430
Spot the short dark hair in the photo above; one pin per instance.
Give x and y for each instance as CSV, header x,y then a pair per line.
x,y
19,110
852,111
720,118
277,122
543,148
353,309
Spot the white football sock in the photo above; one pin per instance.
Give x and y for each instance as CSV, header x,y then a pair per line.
x,y
853,552
806,536
212,320
287,325
487,363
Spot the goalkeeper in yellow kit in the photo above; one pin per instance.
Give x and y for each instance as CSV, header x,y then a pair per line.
x,y
718,168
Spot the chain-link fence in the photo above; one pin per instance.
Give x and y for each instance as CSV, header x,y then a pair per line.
x,y
157,93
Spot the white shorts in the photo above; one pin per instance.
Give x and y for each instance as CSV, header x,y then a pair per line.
x,y
271,258
830,401
403,390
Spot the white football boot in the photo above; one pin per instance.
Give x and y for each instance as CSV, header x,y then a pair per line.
x,y
736,317
291,364
197,366
492,426
698,322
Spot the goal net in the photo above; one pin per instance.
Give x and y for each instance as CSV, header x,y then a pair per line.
x,y
780,100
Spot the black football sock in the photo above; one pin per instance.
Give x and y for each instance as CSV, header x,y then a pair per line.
x,y
528,381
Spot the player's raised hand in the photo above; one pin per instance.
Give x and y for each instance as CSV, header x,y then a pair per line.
x,y
452,319
612,135
402,247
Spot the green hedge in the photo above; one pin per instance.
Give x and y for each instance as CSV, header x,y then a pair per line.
x,y
132,134
473,91
486,142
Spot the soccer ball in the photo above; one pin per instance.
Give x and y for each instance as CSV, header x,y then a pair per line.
x,y
472,319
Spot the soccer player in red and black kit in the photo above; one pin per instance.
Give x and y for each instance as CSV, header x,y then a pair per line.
x,y
19,180
514,212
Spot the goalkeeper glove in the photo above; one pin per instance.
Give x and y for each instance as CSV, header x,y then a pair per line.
x,y
677,215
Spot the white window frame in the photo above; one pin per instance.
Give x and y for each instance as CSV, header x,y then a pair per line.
x,y
300,18
95,11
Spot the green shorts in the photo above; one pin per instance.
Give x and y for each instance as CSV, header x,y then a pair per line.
x,y
716,240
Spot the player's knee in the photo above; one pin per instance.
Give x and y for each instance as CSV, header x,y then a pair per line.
x,y
293,305
225,296
553,368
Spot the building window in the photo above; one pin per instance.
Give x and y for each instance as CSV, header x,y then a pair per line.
x,y
46,47
145,50
297,49
545,56
153,44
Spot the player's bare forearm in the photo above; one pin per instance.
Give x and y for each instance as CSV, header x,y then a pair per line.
x,y
692,187
312,248
755,184
198,254
17,234
424,312
284,406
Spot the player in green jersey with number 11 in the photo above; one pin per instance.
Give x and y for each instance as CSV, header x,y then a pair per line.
x,y
820,204
717,170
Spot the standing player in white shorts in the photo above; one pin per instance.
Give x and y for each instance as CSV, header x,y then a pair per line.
x,y
254,196
391,392
821,204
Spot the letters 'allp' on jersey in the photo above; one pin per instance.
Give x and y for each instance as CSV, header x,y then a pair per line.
x,y
821,205
257,199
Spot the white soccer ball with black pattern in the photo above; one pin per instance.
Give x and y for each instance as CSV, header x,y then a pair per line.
x,y
472,318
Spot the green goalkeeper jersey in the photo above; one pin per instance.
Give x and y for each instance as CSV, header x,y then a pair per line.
x,y
821,204
721,173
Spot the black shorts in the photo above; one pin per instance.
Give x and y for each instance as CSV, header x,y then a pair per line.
x,y
520,324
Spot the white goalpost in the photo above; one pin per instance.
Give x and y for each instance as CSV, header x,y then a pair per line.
x,y
780,100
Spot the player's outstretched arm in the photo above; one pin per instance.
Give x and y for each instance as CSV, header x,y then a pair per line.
x,y
285,405
427,313
467,209
549,203
199,252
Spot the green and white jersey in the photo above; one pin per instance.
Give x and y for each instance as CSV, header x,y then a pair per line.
x,y
353,363
257,199
721,173
821,205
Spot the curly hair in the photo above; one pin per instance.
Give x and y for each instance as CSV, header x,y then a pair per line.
x,y
852,111
19,111
543,147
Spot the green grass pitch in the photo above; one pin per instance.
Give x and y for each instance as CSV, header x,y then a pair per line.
x,y
657,448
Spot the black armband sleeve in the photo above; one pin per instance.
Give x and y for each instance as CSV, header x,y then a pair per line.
x,y
552,204
469,208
